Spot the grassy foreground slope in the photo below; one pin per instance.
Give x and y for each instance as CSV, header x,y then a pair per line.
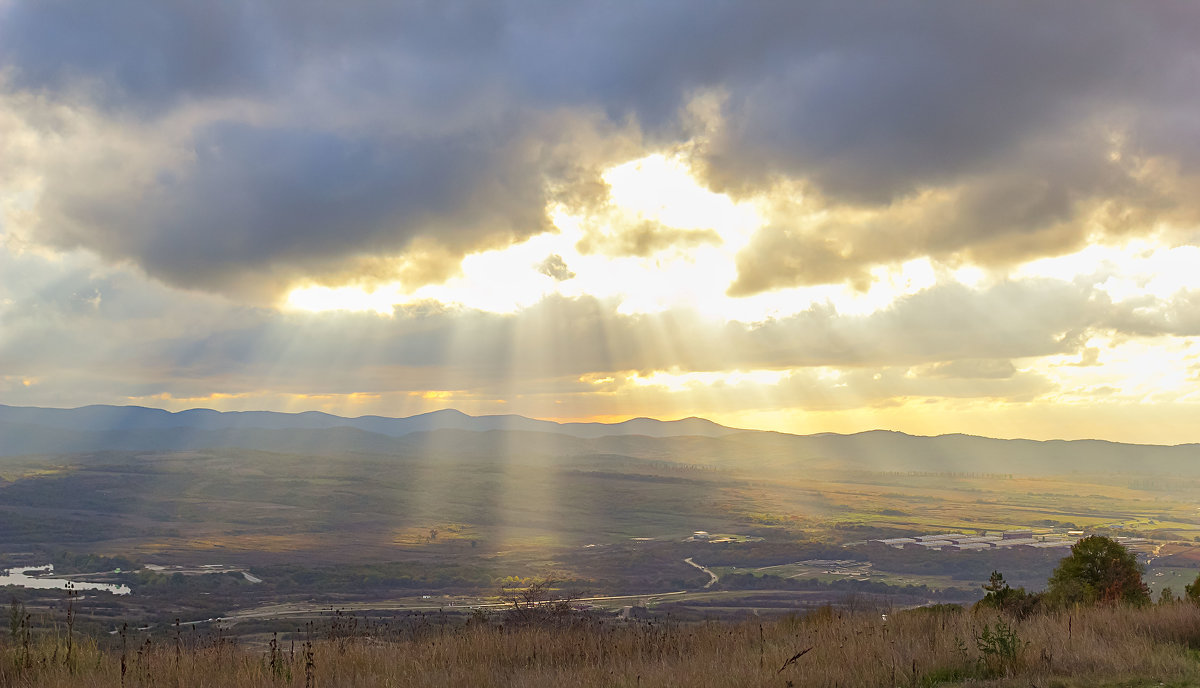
x,y
1099,646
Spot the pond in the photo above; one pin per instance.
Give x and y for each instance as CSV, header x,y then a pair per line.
x,y
21,576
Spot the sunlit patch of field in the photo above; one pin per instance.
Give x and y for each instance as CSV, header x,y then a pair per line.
x,y
255,543
950,502
439,532
827,574
15,468
1180,554
10,474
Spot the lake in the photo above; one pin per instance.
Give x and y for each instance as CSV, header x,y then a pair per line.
x,y
20,576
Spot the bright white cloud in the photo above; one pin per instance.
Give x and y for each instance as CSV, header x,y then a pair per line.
x,y
1118,369
657,189
1137,268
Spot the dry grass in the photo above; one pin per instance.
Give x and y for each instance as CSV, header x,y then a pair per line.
x,y
1103,646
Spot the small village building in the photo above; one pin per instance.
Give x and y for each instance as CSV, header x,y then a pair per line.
x,y
945,537
927,545
1053,544
1017,542
893,542
967,547
973,539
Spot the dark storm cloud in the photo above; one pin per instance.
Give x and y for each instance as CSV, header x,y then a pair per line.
x,y
905,95
254,197
145,55
1046,198
326,133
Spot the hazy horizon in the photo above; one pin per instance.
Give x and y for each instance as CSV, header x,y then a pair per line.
x,y
607,421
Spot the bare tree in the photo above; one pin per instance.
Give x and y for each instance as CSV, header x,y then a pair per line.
x,y
539,602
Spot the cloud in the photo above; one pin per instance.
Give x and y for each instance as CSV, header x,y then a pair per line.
x,y
76,318
973,369
244,147
235,207
298,155
1149,316
878,103
555,268
961,132
1052,199
645,239
169,173
79,332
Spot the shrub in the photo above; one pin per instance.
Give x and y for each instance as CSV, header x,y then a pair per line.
x,y
999,649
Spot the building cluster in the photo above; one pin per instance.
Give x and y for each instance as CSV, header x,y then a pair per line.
x,y
1024,539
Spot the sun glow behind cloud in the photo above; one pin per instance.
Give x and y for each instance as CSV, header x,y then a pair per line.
x,y
694,277
655,189
1138,268
1114,370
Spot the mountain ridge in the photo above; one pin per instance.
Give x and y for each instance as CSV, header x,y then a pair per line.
x,y
101,417
107,417
34,431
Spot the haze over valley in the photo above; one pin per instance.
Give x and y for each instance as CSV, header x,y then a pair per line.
x,y
453,504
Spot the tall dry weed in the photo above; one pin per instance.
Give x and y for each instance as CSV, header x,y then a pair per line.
x,y
824,649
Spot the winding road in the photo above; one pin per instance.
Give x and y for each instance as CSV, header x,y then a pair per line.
x,y
709,584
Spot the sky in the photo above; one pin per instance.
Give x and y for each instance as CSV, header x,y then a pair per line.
x,y
932,217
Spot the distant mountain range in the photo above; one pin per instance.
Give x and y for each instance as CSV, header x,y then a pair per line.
x,y
124,418
25,430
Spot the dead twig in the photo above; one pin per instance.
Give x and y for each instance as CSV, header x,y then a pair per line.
x,y
792,661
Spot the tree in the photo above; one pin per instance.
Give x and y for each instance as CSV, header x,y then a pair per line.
x,y
1005,598
538,603
1099,569
1192,590
998,592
